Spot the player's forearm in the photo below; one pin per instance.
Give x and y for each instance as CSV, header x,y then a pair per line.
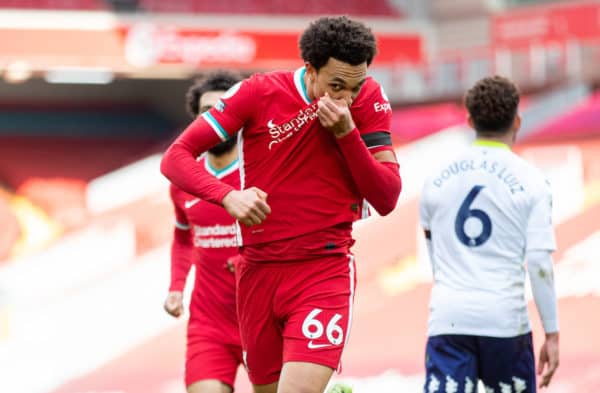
x,y
541,276
181,262
179,164
378,182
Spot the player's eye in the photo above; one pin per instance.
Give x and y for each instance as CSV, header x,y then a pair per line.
x,y
335,86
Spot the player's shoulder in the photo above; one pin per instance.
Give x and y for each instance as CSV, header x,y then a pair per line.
x,y
531,175
371,109
273,80
453,163
370,85
370,92
443,164
429,192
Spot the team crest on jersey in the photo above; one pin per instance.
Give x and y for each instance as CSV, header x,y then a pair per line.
x,y
232,90
220,106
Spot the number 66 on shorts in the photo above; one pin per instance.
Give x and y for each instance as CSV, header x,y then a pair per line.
x,y
308,320
313,329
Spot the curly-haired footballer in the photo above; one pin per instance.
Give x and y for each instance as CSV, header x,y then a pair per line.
x,y
485,212
314,143
205,236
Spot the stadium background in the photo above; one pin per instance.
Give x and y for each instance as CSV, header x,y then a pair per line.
x,y
92,91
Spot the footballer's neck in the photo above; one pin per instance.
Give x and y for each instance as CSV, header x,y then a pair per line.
x,y
507,139
308,84
223,160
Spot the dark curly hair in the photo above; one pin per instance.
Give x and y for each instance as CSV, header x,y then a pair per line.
x,y
342,38
218,80
492,104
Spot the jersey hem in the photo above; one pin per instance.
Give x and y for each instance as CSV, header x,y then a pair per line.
x,y
480,333
262,238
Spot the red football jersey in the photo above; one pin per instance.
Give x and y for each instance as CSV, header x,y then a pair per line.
x,y
212,237
286,152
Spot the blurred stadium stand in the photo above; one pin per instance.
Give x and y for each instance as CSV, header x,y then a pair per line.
x,y
582,122
269,7
55,4
241,7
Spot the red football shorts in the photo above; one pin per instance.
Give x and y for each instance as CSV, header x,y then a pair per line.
x,y
294,311
210,358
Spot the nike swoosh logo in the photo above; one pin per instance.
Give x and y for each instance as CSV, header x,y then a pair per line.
x,y
191,203
312,345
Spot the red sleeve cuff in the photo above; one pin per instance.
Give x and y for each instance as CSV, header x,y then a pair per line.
x,y
378,182
177,286
351,137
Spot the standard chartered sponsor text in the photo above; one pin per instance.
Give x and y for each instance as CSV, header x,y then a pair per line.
x,y
215,236
215,242
214,230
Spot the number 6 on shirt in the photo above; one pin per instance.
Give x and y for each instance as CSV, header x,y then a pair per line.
x,y
465,213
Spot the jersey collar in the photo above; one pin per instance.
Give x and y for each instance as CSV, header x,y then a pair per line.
x,y
490,143
221,173
300,85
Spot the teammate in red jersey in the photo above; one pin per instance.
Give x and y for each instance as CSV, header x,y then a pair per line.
x,y
313,144
206,236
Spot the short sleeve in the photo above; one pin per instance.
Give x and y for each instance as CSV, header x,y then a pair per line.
x,y
540,232
234,109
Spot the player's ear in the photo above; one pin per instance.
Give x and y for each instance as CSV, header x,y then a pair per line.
x,y
470,121
517,123
311,72
515,127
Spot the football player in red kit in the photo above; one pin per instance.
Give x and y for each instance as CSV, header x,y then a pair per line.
x,y
313,144
205,235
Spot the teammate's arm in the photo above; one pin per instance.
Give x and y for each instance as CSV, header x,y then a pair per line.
x,y
540,244
376,175
181,250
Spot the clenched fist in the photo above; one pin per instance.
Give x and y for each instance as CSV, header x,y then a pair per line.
x,y
174,303
248,206
334,115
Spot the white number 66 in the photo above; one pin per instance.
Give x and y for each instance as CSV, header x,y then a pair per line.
x,y
313,329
